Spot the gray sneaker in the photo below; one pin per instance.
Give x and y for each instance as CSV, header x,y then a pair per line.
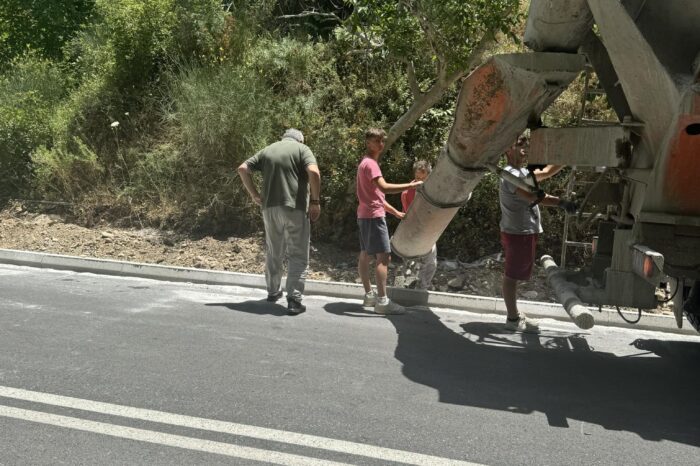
x,y
370,299
389,308
523,324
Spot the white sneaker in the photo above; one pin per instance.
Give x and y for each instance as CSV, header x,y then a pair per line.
x,y
370,299
389,308
523,324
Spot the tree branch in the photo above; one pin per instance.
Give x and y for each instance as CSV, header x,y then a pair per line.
x,y
419,106
425,25
412,81
423,101
442,71
306,14
475,59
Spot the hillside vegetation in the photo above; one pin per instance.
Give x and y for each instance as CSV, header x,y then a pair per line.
x,y
138,111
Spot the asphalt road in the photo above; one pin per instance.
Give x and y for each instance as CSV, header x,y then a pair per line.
x,y
106,370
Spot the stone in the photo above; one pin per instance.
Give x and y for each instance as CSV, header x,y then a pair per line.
x,y
457,283
532,294
449,265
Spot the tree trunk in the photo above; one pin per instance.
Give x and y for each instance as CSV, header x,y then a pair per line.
x,y
425,100
421,104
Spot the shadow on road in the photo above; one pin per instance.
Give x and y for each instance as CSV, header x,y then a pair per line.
x,y
349,310
260,307
655,396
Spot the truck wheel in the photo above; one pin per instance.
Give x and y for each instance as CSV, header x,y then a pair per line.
x,y
691,307
679,292
694,320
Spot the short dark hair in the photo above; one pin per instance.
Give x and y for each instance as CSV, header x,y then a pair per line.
x,y
375,133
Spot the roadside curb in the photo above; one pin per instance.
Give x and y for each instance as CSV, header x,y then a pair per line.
x,y
404,296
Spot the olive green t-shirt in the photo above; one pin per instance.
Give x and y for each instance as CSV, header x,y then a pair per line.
x,y
283,166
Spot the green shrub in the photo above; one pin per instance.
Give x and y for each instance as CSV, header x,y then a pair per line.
x,y
65,175
223,114
30,90
132,41
202,31
42,26
119,61
220,116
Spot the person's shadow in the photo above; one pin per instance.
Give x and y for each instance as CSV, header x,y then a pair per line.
x,y
349,310
260,307
555,373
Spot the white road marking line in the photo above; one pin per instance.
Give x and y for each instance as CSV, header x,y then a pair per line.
x,y
161,438
261,433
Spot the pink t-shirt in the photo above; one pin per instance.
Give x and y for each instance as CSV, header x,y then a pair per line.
x,y
407,198
370,196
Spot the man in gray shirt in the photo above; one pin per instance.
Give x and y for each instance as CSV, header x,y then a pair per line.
x,y
288,169
520,225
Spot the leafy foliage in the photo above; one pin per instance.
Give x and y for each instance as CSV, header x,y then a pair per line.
x,y
31,89
143,109
43,26
430,31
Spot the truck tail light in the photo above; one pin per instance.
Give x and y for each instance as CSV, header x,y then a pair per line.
x,y
647,263
648,267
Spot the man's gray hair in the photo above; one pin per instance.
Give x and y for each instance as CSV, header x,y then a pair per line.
x,y
295,134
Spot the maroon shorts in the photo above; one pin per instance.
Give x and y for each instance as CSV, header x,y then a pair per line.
x,y
520,255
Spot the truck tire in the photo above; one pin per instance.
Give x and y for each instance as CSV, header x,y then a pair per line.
x,y
691,307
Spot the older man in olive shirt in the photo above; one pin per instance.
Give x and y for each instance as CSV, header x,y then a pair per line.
x,y
288,169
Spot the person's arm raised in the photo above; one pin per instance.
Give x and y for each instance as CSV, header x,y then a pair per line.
x,y
547,172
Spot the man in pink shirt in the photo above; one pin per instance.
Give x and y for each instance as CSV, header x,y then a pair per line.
x,y
371,189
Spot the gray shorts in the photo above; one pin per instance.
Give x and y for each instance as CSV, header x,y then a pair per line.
x,y
374,235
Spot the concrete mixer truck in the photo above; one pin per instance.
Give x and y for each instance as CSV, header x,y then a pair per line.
x,y
646,56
